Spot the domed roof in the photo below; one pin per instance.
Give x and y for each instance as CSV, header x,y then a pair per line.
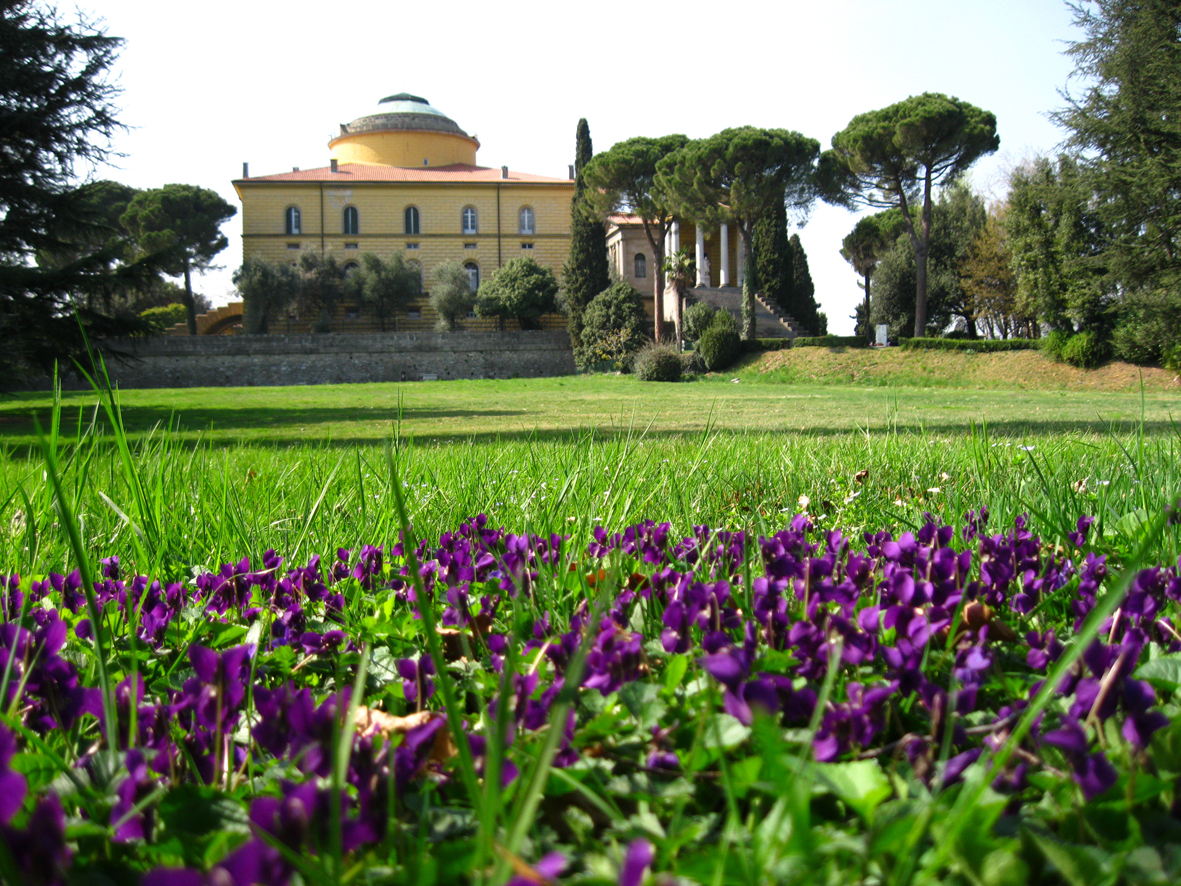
x,y
403,112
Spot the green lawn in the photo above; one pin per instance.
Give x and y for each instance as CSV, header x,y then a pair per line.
x,y
209,477
303,469
555,407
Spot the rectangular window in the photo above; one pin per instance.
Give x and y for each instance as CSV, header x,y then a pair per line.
x,y
293,246
411,245
470,245
526,245
414,314
350,246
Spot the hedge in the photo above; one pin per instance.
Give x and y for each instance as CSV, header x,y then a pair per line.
x,y
830,341
977,346
758,345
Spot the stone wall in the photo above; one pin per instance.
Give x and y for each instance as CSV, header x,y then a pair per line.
x,y
247,360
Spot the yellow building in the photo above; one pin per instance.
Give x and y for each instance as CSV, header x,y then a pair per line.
x,y
404,180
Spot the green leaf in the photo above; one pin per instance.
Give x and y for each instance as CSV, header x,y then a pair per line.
x,y
1164,673
1165,747
674,672
777,661
193,816
1133,524
642,701
860,783
1003,867
724,731
1078,865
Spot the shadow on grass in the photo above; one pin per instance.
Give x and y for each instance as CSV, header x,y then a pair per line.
x,y
140,419
186,435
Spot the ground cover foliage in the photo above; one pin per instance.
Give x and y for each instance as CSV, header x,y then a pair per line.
x,y
888,656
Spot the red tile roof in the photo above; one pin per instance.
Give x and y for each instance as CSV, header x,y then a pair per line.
x,y
624,218
348,173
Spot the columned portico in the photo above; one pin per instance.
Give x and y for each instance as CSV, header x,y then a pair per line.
x,y
699,256
724,244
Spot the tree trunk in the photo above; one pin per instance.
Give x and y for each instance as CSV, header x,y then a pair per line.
x,y
190,308
868,323
922,247
920,260
658,286
748,294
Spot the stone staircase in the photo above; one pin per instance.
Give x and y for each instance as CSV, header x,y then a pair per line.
x,y
770,321
219,321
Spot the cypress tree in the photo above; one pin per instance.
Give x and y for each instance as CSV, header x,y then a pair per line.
x,y
803,290
585,274
772,258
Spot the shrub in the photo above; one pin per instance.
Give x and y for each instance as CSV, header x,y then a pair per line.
x,y
451,294
720,343
1149,325
1172,358
697,318
979,345
520,289
165,316
1053,343
613,328
829,341
656,362
691,363
267,288
1086,350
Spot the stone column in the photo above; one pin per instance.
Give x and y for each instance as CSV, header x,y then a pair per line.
x,y
700,257
676,236
724,246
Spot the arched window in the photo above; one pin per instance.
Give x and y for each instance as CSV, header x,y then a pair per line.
x,y
410,220
641,265
526,216
352,220
469,220
473,275
291,220
351,268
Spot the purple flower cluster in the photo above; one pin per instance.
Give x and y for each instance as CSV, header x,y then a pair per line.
x,y
915,627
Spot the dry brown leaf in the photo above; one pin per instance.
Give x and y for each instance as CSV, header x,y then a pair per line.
x,y
373,720
593,578
637,582
861,475
976,615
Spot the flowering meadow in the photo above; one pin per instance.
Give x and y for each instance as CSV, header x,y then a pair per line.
x,y
719,658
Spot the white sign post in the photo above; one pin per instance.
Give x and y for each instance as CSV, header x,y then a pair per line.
x,y
881,336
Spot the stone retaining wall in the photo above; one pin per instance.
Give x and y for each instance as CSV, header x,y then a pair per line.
x,y
245,360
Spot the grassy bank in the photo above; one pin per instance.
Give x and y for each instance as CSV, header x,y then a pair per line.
x,y
1015,370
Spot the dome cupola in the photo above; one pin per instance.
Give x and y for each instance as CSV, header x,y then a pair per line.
x,y
405,131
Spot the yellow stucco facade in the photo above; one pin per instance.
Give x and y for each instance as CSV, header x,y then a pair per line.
x,y
404,181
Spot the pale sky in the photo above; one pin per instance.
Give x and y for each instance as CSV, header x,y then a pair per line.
x,y
207,86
